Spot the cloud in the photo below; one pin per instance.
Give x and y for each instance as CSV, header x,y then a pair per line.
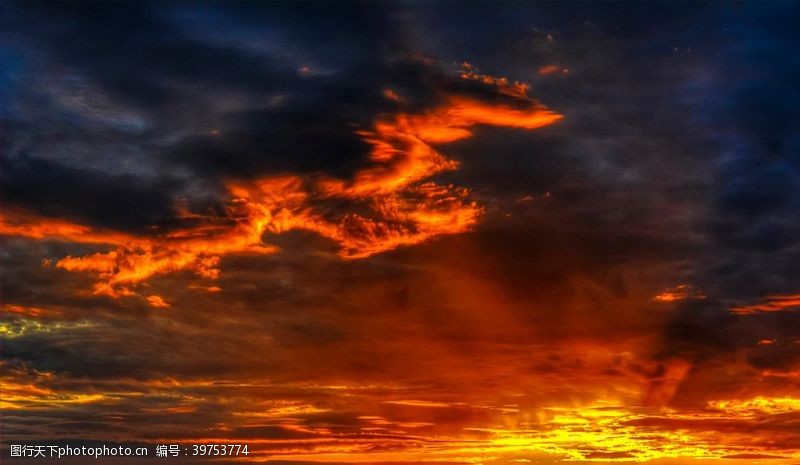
x,y
90,196
775,303
246,165
419,403
679,292
390,204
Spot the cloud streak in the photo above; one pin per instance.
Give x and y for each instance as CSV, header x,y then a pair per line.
x,y
390,204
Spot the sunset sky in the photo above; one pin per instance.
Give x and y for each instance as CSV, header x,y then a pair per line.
x,y
425,232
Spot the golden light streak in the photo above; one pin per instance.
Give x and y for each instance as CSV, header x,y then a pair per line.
x,y
22,326
602,430
419,403
551,70
17,396
15,222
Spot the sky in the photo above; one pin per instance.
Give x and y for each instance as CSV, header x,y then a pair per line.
x,y
450,232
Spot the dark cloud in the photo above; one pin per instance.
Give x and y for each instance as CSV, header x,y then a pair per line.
x,y
90,196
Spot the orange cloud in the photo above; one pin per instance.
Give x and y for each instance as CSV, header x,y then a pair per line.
x,y
157,302
419,403
775,303
392,203
419,431
680,292
20,223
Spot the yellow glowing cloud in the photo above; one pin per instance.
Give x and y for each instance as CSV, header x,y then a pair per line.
x,y
17,396
502,84
418,403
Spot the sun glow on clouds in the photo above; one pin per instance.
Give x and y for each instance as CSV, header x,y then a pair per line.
x,y
393,203
776,303
617,413
402,430
324,238
604,431
680,292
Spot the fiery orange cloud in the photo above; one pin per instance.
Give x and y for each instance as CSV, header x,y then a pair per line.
x,y
680,292
548,70
29,312
19,391
774,303
394,202
15,222
419,403
501,84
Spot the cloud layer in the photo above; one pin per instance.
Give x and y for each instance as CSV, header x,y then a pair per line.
x,y
403,232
